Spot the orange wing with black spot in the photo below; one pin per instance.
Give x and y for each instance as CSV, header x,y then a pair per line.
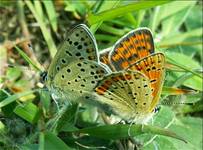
x,y
153,67
127,93
132,47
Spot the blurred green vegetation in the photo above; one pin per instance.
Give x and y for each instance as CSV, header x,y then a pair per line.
x,y
29,118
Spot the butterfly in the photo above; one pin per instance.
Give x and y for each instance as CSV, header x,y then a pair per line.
x,y
75,69
133,90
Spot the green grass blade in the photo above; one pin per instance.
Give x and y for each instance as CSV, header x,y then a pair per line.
x,y
29,111
51,12
176,91
181,37
14,97
103,5
174,8
45,31
119,131
154,19
120,11
173,23
27,59
172,61
53,142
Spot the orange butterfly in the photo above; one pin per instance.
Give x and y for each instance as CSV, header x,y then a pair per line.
x,y
133,90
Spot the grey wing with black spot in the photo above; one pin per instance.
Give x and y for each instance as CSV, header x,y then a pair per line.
x,y
78,79
79,44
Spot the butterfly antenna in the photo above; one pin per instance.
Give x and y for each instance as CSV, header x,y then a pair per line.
x,y
176,103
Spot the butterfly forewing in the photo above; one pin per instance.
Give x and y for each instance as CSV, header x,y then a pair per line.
x,y
153,67
128,93
131,48
79,44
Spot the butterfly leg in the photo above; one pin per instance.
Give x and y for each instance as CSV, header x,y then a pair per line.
x,y
56,102
129,129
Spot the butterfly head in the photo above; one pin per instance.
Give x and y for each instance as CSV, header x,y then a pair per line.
x,y
43,77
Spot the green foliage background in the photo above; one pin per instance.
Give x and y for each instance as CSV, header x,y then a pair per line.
x,y
29,119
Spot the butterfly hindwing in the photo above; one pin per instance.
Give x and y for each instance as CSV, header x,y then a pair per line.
x,y
153,67
128,93
131,48
79,44
78,79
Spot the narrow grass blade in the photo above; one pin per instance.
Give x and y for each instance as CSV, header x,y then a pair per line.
x,y
24,55
120,131
172,61
119,11
179,38
51,12
14,97
176,91
45,31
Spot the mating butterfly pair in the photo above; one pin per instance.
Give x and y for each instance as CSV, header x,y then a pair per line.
x,y
132,86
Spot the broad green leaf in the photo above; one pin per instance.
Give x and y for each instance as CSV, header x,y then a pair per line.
x,y
29,112
160,143
191,129
164,119
193,21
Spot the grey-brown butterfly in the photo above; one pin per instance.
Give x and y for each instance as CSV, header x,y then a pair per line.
x,y
75,69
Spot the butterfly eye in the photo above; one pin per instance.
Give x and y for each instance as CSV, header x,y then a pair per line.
x,y
157,109
43,77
